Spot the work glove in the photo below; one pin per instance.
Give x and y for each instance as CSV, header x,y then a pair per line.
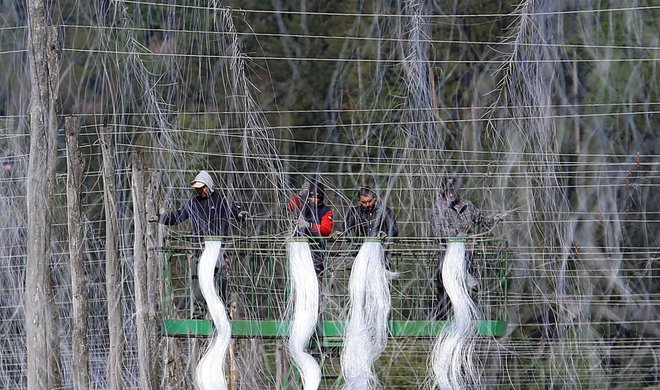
x,y
151,218
498,217
302,224
243,215
304,190
381,236
336,235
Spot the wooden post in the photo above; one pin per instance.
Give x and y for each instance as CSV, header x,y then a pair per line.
x,y
173,378
80,301
144,324
112,266
233,366
41,320
151,189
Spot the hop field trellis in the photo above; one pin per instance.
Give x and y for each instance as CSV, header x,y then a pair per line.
x,y
545,111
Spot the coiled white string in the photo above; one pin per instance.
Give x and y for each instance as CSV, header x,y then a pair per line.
x,y
452,357
211,368
305,297
366,333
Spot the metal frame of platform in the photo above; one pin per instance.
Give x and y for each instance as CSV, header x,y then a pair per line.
x,y
326,330
274,329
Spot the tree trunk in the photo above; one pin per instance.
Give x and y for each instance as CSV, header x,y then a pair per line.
x,y
233,366
146,282
113,280
41,321
140,270
152,242
80,358
173,378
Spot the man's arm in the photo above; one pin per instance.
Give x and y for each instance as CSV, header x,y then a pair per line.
x,y
295,204
483,222
324,228
176,217
234,208
392,229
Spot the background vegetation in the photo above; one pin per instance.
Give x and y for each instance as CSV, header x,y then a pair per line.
x,y
545,111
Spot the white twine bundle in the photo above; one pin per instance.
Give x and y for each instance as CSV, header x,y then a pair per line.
x,y
211,368
366,333
452,357
305,297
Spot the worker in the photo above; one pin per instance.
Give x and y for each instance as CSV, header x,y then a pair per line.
x,y
210,213
313,220
453,216
370,218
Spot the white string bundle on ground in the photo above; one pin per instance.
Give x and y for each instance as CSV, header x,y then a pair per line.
x,y
210,370
366,333
452,357
305,298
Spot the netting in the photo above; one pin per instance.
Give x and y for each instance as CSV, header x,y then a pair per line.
x,y
543,111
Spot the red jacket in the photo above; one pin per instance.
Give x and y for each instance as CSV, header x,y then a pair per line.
x,y
320,216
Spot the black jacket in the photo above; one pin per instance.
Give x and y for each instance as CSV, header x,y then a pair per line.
x,y
208,216
363,223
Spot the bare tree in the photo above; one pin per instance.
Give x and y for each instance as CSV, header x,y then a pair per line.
x,y
80,364
113,280
152,242
41,321
145,282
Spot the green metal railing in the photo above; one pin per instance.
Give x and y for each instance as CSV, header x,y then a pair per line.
x,y
259,290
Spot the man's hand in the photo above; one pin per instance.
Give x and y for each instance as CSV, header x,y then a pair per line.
x,y
304,190
498,217
336,235
302,224
151,218
381,236
243,215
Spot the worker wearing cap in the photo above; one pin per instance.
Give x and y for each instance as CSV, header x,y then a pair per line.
x,y
209,212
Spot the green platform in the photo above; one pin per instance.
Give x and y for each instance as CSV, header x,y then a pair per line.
x,y
247,329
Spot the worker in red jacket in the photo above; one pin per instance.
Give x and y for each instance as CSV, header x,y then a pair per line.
x,y
313,220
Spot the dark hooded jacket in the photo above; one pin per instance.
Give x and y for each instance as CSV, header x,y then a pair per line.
x,y
208,216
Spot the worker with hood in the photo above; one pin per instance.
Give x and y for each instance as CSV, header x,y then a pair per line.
x,y
313,220
209,212
452,216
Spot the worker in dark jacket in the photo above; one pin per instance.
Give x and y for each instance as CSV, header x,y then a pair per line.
x,y
370,218
209,213
313,220
453,216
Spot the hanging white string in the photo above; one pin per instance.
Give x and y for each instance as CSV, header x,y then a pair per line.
x,y
452,357
305,298
210,370
366,333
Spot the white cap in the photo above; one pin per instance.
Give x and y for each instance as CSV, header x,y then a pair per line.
x,y
202,179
